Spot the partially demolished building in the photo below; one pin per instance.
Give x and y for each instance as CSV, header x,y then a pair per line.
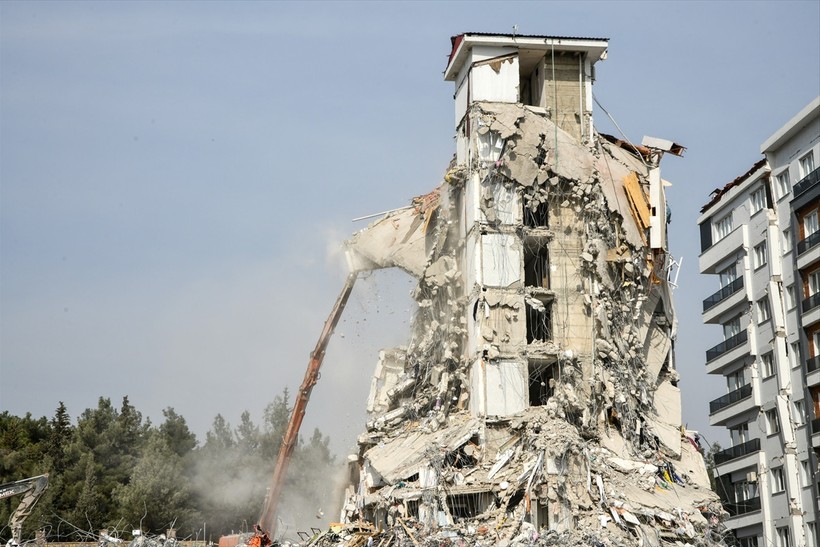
x,y
537,399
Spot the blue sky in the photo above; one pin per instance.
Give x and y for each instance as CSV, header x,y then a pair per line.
x,y
175,179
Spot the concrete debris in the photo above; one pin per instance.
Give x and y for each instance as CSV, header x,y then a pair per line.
x,y
536,402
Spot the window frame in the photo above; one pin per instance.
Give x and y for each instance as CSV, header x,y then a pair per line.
x,y
810,228
763,309
783,184
760,255
772,422
734,327
778,480
767,365
758,200
806,164
722,227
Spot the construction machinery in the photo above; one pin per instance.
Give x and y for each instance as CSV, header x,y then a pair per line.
x,y
291,436
31,489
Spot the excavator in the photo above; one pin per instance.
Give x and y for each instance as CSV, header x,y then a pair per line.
x,y
398,240
267,520
31,489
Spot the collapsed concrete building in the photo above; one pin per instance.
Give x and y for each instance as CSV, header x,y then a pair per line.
x,y
536,401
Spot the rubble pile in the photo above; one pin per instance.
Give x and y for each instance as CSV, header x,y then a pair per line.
x,y
525,411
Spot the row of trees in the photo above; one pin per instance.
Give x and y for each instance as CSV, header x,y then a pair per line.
x,y
115,470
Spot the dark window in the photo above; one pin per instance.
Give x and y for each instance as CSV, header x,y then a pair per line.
x,y
539,322
705,235
541,382
536,266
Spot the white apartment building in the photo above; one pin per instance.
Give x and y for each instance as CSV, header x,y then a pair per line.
x,y
760,240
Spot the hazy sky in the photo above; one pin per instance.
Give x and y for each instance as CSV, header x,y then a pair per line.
x,y
177,177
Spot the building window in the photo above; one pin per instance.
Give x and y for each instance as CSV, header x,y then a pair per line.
x,y
758,200
728,276
787,240
806,165
723,227
731,328
784,539
764,313
810,224
791,298
759,256
745,490
805,473
772,425
539,321
541,382
735,380
750,541
739,434
813,284
794,355
536,264
799,413
782,183
814,340
767,361
778,480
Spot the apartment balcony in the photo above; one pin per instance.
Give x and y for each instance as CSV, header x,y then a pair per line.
x,y
813,371
721,249
808,250
742,507
815,433
736,452
723,300
727,352
734,403
806,183
811,310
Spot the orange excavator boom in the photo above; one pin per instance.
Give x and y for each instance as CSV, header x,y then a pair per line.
x,y
291,437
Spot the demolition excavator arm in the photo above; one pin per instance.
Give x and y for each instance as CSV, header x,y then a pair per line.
x,y
31,489
291,436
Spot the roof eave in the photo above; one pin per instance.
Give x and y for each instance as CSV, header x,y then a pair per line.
x,y
594,47
804,117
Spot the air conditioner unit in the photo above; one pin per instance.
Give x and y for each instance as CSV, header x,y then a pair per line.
x,y
751,476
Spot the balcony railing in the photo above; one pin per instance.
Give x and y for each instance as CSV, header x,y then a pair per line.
x,y
730,398
737,451
807,182
812,364
742,507
727,345
807,243
723,293
811,302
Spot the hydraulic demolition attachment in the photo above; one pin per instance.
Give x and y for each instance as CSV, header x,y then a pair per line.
x,y
31,489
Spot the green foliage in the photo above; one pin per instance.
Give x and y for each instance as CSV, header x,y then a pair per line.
x,y
113,469
156,496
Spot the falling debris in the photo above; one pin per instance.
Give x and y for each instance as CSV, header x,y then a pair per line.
x,y
537,401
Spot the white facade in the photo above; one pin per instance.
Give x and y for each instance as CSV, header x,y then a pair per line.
x,y
755,246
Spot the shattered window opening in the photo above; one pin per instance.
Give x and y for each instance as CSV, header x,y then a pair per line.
x,y
413,508
539,323
463,506
536,266
537,217
541,382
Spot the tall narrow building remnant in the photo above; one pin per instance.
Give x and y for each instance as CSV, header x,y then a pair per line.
x,y
537,399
